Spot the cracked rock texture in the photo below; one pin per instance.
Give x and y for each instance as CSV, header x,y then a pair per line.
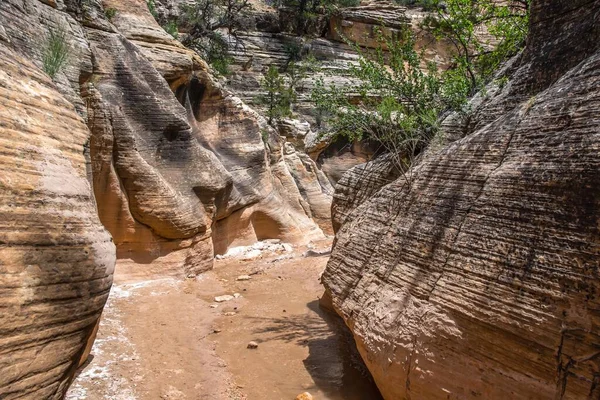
x,y
480,278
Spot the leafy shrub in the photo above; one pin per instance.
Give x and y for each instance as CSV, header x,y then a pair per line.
x,y
152,8
172,29
264,135
397,102
461,23
308,11
348,3
428,5
205,21
293,50
56,51
276,97
110,13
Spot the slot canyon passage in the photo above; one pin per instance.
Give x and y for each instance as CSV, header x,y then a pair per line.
x,y
163,236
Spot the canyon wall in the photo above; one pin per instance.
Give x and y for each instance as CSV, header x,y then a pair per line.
x,y
479,277
272,40
56,259
132,138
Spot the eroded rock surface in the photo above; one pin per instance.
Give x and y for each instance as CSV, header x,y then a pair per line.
x,y
56,258
480,278
178,164
133,135
200,156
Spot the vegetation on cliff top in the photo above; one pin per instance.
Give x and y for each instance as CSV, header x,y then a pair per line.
x,y
206,22
400,97
307,12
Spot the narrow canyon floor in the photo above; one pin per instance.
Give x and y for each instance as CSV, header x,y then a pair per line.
x,y
167,338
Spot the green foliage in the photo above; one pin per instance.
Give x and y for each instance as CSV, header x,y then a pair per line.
x,y
297,72
397,100
172,29
399,97
56,51
205,21
347,3
264,134
308,11
281,90
293,50
110,13
462,22
217,54
152,8
319,5
277,97
428,5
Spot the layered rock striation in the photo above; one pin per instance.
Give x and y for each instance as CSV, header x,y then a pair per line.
x,y
56,258
479,278
134,139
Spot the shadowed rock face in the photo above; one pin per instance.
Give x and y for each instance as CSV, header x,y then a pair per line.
x,y
481,278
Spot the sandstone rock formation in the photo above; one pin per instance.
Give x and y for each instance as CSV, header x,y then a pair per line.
x,y
204,153
480,278
173,155
358,185
133,135
56,259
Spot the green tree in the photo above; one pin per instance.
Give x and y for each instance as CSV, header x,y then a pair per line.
x,y
307,11
483,33
206,20
397,99
276,96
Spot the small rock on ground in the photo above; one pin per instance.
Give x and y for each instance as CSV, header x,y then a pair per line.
x,y
304,396
225,297
252,345
316,253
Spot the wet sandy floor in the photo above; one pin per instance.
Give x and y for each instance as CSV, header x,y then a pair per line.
x,y
166,338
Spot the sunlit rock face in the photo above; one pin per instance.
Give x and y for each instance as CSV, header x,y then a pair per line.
x,y
479,277
173,155
201,178
132,139
56,258
271,40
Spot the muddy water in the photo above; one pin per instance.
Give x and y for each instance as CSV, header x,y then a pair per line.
x,y
166,338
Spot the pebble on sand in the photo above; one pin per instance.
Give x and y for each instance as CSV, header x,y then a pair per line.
x,y
243,278
252,345
304,396
225,297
